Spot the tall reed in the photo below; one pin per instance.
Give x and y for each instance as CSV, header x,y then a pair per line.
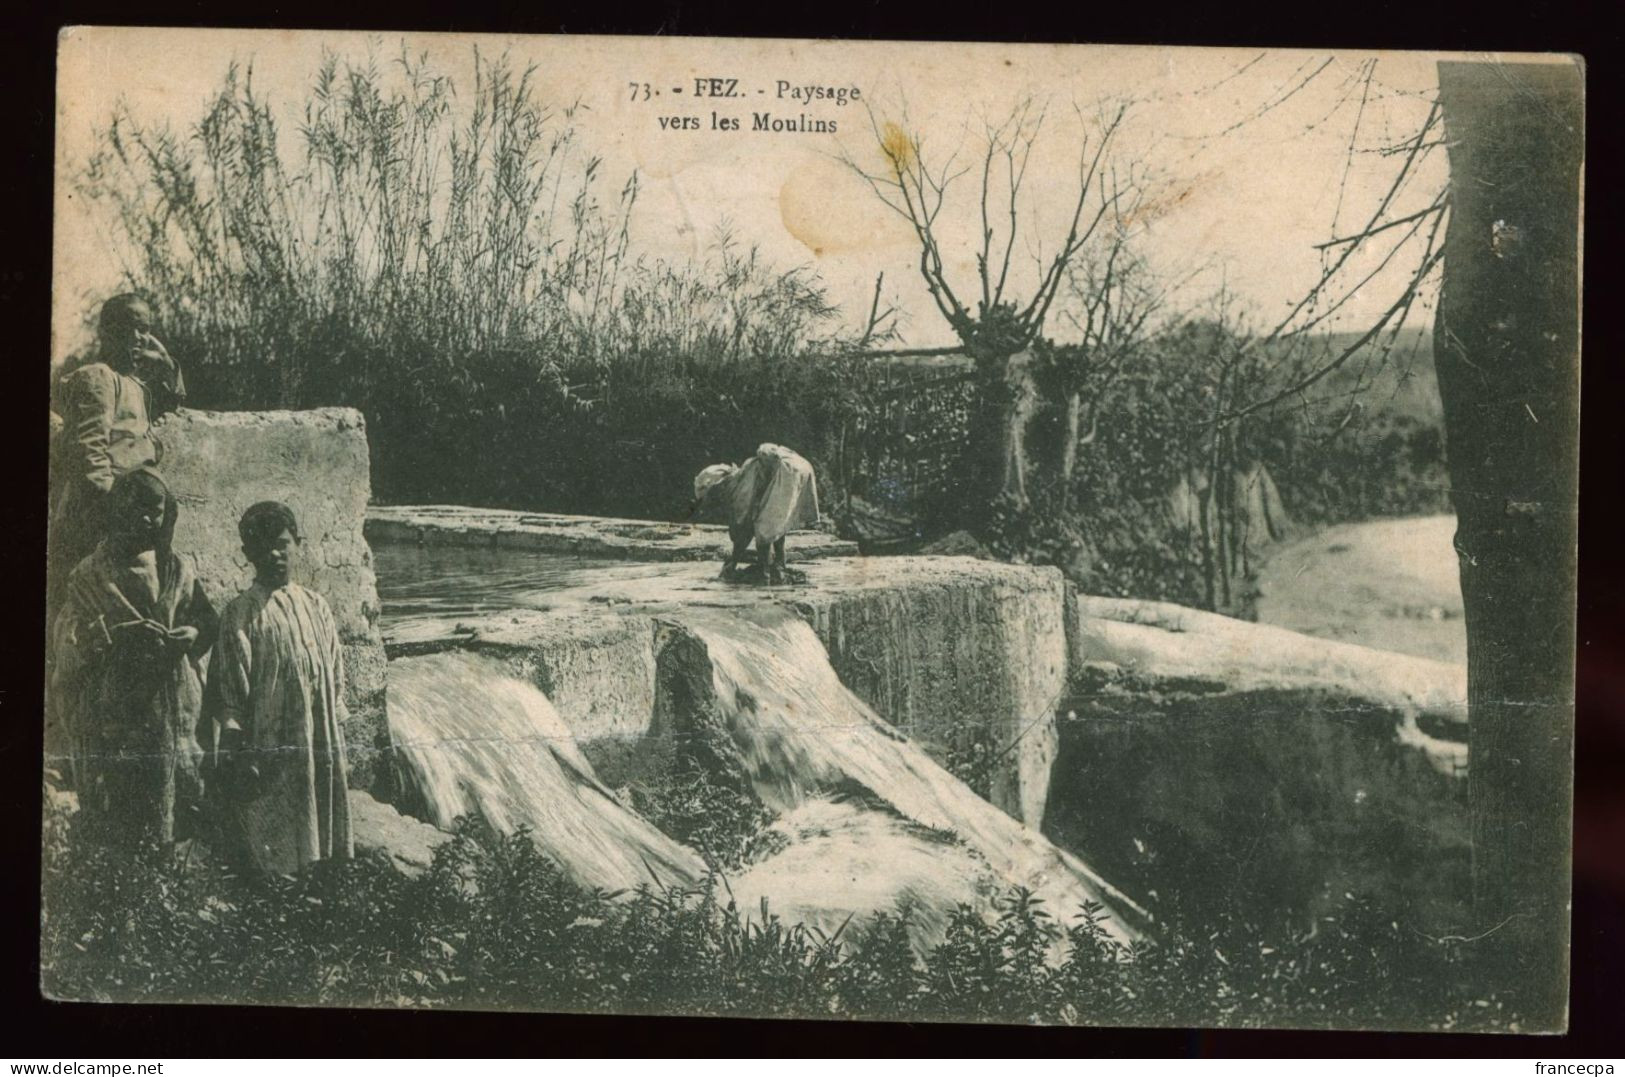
x,y
446,258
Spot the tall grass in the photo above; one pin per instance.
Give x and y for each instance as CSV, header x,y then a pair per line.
x,y
452,260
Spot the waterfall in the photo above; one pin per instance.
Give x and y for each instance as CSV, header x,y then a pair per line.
x,y
866,817
844,860
473,738
797,734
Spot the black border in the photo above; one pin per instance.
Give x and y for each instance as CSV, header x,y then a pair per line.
x,y
55,1030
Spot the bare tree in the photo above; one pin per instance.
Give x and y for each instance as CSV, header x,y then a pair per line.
x,y
995,326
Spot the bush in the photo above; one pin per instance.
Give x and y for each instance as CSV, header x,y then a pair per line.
x,y
1348,454
452,263
1373,466
494,924
720,823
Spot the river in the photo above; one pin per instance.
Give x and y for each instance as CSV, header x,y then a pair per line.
x,y
1390,584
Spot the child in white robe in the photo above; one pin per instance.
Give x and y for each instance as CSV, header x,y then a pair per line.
x,y
280,721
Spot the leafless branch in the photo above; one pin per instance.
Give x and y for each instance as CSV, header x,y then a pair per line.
x,y
876,317
1400,307
917,190
1382,207
1033,316
1436,207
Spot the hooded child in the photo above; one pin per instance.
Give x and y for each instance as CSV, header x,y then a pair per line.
x,y
126,676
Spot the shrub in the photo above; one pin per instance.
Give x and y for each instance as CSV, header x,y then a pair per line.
x,y
494,924
721,823
1348,453
453,262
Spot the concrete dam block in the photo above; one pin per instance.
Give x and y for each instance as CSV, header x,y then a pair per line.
x,y
1250,766
219,463
966,657
597,666
1163,641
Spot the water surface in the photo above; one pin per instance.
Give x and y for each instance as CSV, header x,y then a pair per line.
x,y
1393,584
453,581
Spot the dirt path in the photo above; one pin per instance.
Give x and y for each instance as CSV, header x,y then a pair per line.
x,y
1390,584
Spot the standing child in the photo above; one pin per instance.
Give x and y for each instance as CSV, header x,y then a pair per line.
x,y
126,685
106,409
279,730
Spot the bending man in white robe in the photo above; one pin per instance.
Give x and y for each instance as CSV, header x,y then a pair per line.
x,y
770,495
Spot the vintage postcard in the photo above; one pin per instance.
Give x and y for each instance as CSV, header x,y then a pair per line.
x,y
855,530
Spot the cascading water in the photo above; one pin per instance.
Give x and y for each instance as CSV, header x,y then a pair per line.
x,y
797,733
842,860
867,819
473,738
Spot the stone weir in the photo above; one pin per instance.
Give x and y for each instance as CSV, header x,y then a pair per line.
x,y
899,715
581,536
895,717
967,658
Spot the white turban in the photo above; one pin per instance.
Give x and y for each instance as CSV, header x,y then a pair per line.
x,y
705,480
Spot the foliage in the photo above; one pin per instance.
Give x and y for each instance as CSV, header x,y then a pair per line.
x,y
450,261
494,924
1115,531
971,756
1373,465
455,263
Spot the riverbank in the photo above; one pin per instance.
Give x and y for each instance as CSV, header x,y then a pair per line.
x,y
1390,584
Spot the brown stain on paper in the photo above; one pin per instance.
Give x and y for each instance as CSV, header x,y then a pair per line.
x,y
830,210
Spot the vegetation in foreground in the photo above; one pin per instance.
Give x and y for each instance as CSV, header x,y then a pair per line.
x,y
493,924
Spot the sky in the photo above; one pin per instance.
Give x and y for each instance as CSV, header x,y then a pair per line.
x,y
1248,150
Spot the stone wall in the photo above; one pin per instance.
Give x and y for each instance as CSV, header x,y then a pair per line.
x,y
1239,765
219,463
968,657
596,666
